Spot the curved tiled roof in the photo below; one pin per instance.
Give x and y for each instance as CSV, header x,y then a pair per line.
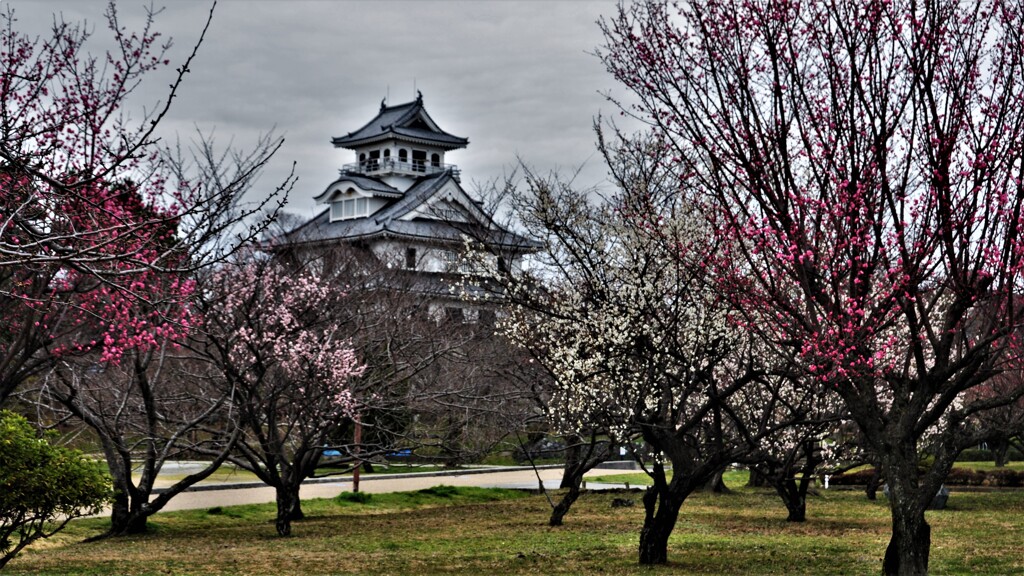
x,y
408,121
388,222
416,195
364,183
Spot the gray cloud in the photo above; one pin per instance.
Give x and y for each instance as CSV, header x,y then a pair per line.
x,y
515,77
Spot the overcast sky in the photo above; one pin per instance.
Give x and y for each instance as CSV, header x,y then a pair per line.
x,y
517,78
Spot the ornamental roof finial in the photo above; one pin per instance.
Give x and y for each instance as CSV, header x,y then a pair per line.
x,y
419,97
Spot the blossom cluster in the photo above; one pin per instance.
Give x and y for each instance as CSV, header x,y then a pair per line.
x,y
281,338
626,320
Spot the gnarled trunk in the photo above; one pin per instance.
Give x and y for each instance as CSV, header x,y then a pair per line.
x,y
580,458
794,496
573,461
289,508
128,515
716,485
659,520
871,490
907,552
1000,451
757,478
563,506
572,478
661,508
792,490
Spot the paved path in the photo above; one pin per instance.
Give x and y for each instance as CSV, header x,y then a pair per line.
x,y
257,494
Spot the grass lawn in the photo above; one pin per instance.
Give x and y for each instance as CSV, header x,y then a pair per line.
x,y
732,478
736,478
478,531
990,465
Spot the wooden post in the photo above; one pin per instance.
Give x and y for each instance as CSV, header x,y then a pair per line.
x,y
359,465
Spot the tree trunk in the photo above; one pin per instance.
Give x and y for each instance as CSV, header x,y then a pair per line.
x,y
572,478
794,496
579,459
716,485
563,506
128,523
297,513
792,490
661,508
128,515
573,453
661,512
871,490
757,478
999,453
451,443
907,553
288,508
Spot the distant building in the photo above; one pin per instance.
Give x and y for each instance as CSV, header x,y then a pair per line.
x,y
401,203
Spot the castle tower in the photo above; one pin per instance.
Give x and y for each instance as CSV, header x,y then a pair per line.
x,y
400,144
404,205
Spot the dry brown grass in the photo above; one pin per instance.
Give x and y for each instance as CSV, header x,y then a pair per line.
x,y
740,533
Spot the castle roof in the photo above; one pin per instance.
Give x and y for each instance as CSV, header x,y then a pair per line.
x,y
365,183
409,122
398,220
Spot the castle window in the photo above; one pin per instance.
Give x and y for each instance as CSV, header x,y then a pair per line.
x,y
451,259
486,318
350,208
435,160
453,262
410,258
453,314
419,160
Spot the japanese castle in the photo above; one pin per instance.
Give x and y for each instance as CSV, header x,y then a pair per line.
x,y
404,205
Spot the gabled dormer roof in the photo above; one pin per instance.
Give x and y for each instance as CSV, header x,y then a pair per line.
x,y
410,217
367,185
409,122
416,196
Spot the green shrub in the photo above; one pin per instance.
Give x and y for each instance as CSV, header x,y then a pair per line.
x,y
1004,477
956,477
965,477
978,455
42,486
355,497
860,477
441,491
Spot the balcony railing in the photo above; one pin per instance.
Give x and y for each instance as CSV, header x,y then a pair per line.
x,y
385,166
